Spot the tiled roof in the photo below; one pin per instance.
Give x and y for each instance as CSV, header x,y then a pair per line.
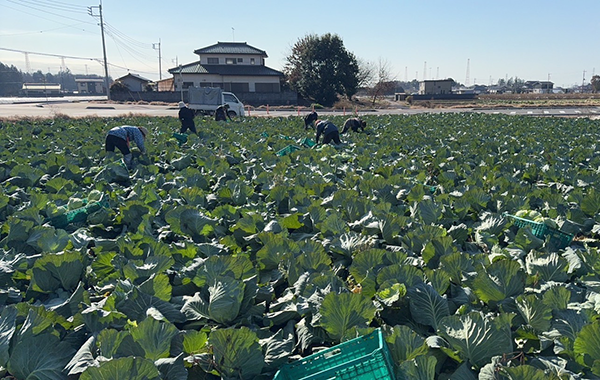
x,y
230,48
246,70
135,76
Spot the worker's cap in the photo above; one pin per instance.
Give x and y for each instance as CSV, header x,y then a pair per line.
x,y
144,131
181,104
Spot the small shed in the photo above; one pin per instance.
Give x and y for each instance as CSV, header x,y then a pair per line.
x,y
90,86
134,82
165,85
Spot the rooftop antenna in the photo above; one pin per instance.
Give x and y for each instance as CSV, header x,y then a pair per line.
x,y
233,33
467,79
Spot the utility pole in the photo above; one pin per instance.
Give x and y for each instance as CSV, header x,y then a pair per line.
x,y
159,58
467,79
91,13
181,82
27,64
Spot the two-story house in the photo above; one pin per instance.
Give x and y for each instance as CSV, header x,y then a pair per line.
x,y
90,85
436,87
233,66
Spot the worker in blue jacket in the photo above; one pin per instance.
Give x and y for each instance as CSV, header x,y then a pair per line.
x,y
119,137
329,131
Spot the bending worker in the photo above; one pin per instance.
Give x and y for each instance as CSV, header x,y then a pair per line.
x,y
329,131
221,113
119,137
355,124
309,120
186,116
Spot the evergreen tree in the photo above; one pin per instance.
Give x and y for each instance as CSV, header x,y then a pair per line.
x,y
11,80
321,69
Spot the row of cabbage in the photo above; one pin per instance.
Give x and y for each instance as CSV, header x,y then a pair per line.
x,y
217,258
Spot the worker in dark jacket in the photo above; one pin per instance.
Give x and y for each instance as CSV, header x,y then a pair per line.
x,y
310,119
119,137
355,124
329,131
221,114
186,116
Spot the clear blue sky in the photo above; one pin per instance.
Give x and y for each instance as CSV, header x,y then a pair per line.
x,y
427,39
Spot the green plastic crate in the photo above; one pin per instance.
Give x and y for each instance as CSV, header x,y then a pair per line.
x,y
363,358
76,216
287,150
181,137
307,142
558,239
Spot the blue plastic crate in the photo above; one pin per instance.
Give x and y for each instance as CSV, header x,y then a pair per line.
x,y
363,358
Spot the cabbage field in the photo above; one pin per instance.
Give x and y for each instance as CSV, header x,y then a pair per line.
x,y
216,258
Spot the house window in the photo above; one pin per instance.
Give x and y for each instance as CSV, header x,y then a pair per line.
x,y
188,84
230,61
240,87
252,61
213,61
267,87
240,60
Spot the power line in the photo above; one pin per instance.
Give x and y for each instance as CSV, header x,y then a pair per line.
x,y
55,5
42,31
44,11
48,54
126,38
132,52
41,8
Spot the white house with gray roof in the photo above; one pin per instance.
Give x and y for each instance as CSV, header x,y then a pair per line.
x,y
233,66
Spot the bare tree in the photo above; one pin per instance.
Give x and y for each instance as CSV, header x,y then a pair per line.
x,y
366,73
384,80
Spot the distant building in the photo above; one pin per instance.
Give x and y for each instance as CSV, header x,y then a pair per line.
x,y
538,87
41,89
233,66
165,85
90,86
134,82
435,87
